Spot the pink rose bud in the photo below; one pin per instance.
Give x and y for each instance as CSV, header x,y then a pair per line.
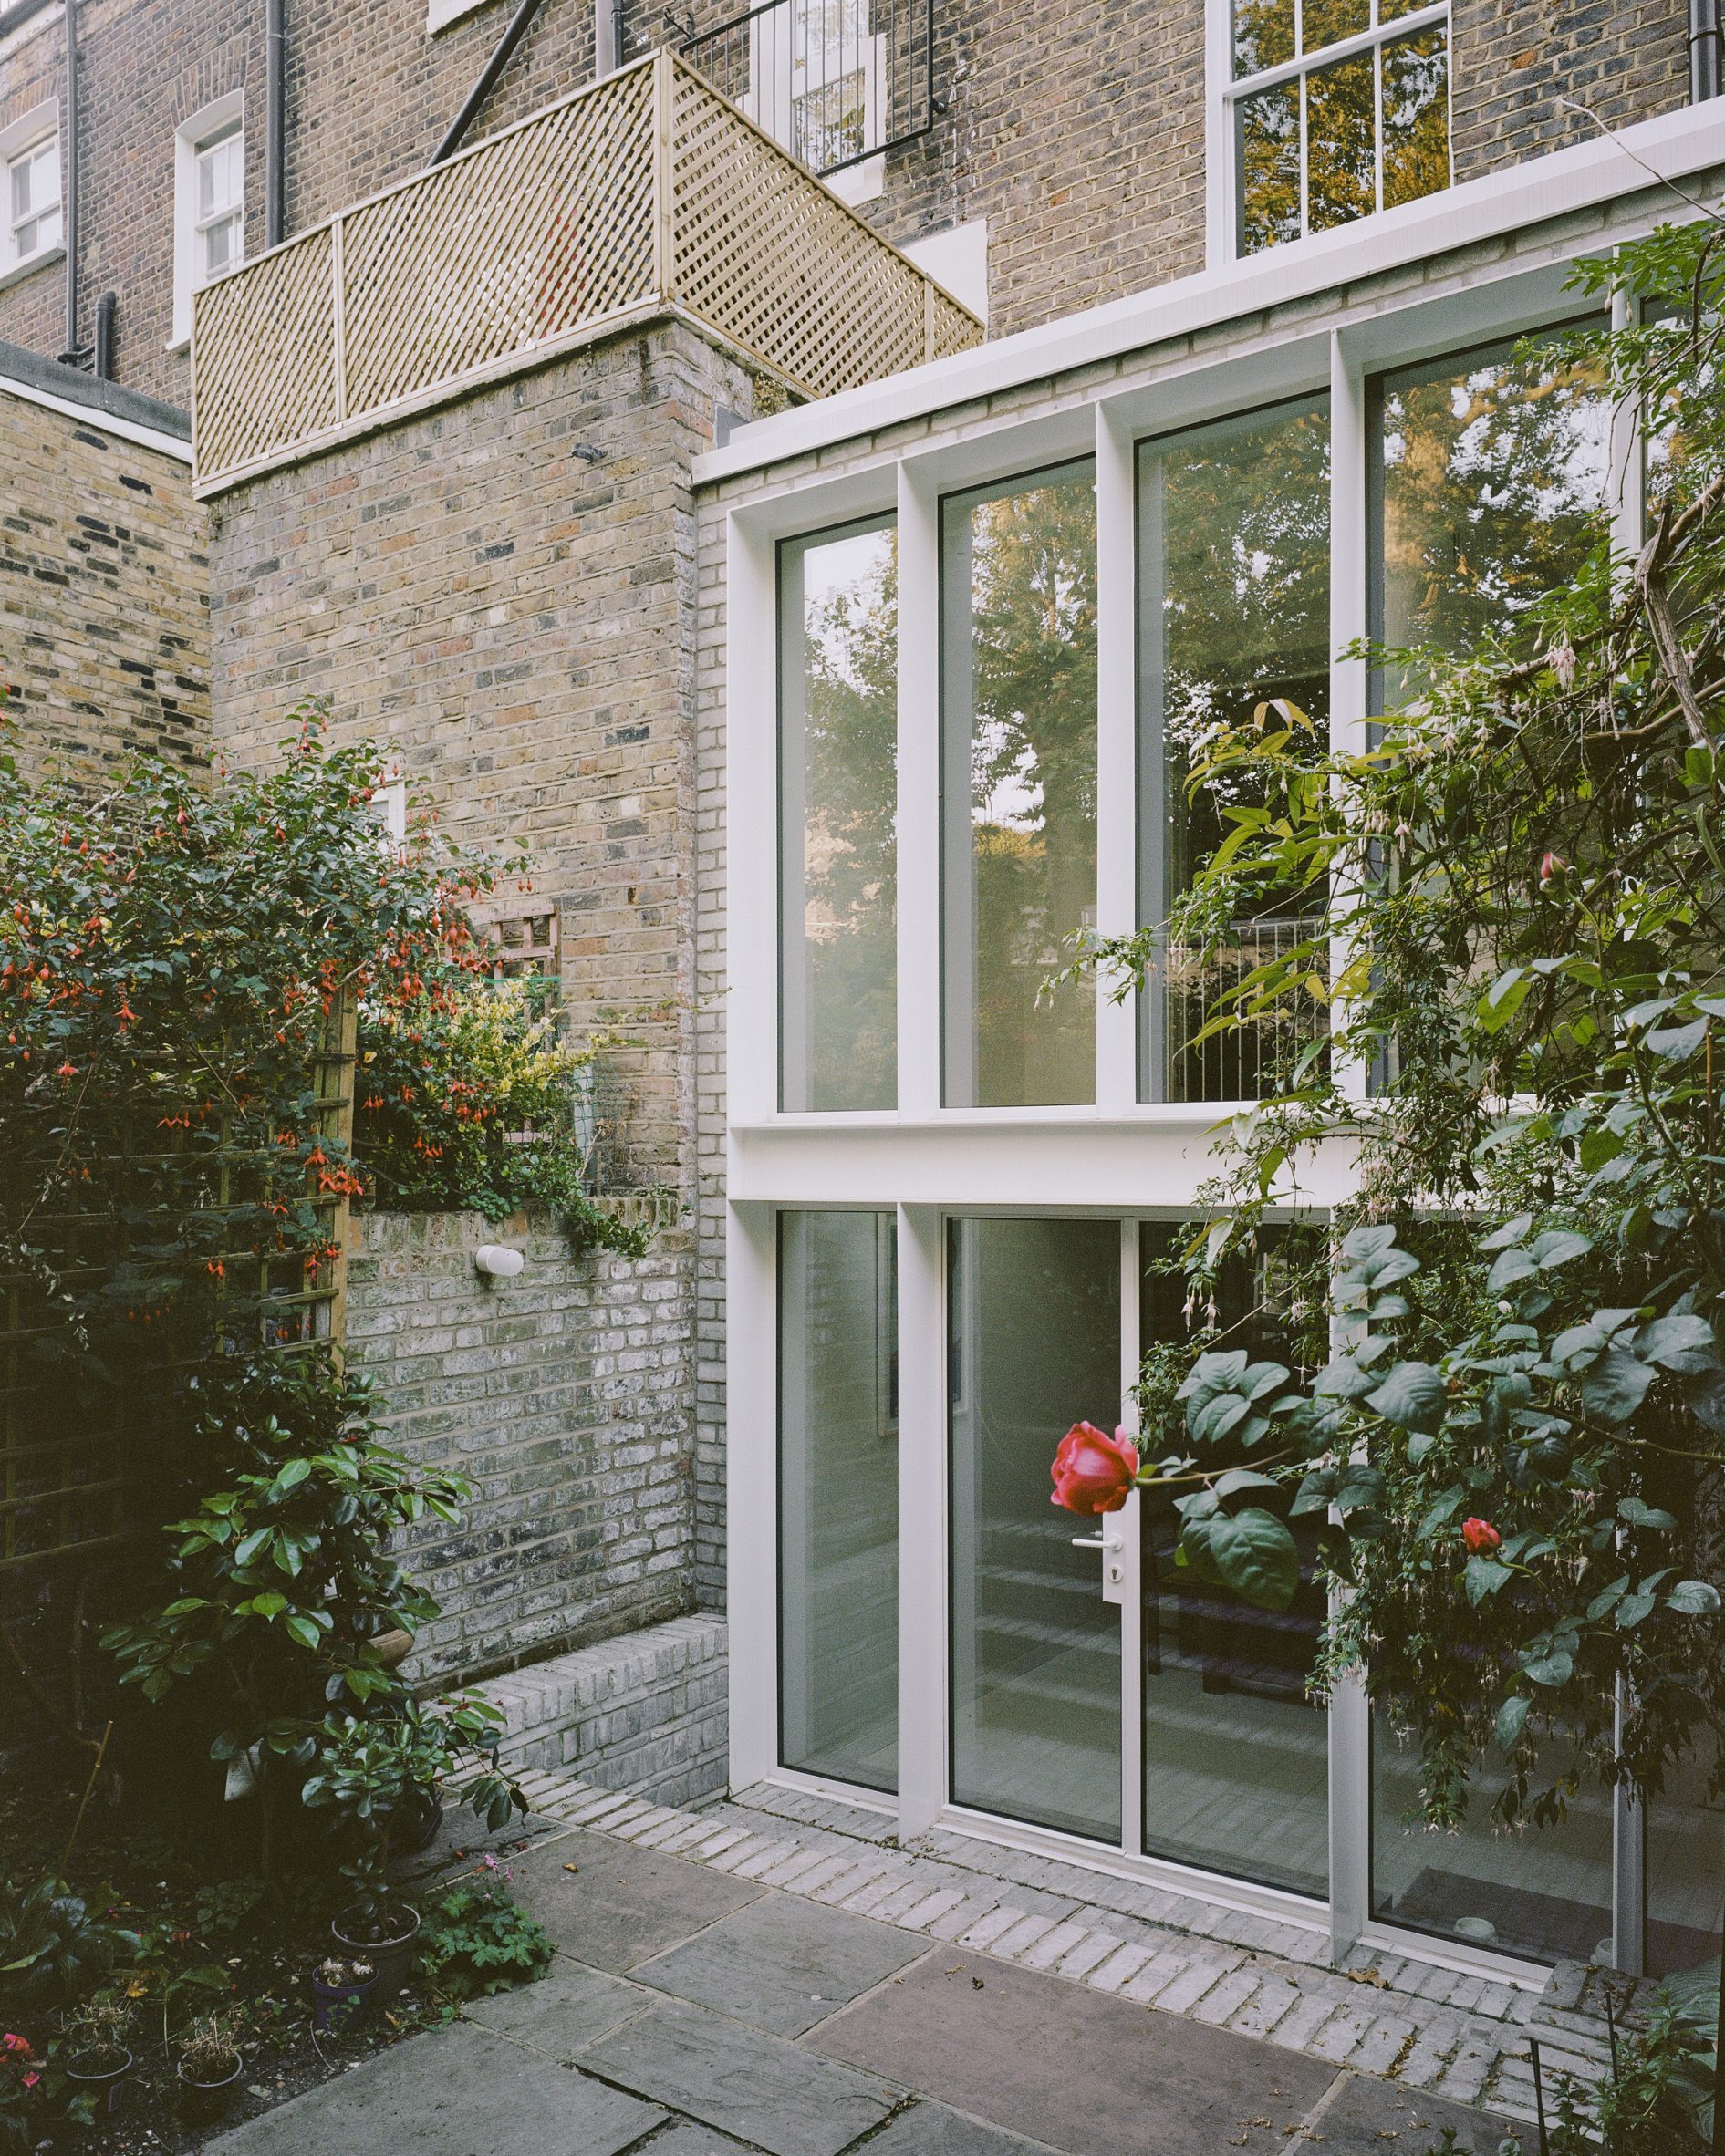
x,y
1094,1472
1551,864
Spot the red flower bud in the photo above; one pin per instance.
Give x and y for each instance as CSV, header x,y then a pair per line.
x,y
1551,864
1094,1472
1480,1536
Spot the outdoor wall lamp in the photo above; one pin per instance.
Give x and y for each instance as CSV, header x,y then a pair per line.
x,y
497,1261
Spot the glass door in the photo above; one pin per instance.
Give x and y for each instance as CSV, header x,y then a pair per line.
x,y
1034,1345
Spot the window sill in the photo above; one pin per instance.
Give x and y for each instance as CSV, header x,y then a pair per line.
x,y
179,347
28,268
441,13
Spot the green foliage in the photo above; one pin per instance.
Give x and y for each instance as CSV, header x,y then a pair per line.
x,y
476,1939
54,1949
1517,1448
1646,2106
372,1772
470,1099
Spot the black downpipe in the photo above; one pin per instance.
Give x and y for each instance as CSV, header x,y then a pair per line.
x,y
481,89
1704,51
106,308
275,123
73,355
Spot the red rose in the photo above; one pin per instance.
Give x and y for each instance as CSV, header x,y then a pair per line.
x,y
1480,1536
1094,1472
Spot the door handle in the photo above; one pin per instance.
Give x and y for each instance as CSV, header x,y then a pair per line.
x,y
1098,1541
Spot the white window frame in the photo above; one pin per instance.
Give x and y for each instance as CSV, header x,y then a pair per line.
x,y
775,70
25,137
1221,133
1122,1159
192,138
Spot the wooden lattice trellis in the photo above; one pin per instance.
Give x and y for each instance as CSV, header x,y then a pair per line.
x,y
79,1450
640,192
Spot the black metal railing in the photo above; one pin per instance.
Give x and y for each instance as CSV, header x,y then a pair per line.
x,y
835,81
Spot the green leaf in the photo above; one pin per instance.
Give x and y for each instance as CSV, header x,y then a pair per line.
x,y
302,1629
1484,1576
1559,1246
1512,1719
1683,1344
1510,1267
1315,1491
1631,1610
1638,1512
1238,1479
1551,1669
1693,1598
1412,1396
292,1475
1257,1557
1613,1389
1503,999
1512,1231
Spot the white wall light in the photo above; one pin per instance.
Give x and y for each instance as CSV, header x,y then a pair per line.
x,y
497,1261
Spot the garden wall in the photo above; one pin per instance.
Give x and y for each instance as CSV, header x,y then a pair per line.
x,y
565,1397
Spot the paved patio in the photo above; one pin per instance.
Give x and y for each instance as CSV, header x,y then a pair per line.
x,y
695,2012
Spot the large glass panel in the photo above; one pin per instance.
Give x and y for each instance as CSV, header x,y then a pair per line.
x,y
839,732
1686,1868
1234,611
1019,786
1543,1893
1035,1346
1236,1752
1491,487
1322,22
1264,35
838,1496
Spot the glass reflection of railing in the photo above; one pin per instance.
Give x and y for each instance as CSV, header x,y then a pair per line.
x,y
1234,1062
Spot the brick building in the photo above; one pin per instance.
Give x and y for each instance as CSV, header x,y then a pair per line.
x,y
643,501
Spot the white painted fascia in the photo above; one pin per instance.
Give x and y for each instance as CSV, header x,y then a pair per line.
x,y
150,438
1672,147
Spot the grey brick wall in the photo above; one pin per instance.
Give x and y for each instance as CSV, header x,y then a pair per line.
x,y
501,593
564,1397
104,594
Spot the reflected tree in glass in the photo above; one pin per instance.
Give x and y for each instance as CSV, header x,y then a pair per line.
x,y
838,783
1019,784
1235,613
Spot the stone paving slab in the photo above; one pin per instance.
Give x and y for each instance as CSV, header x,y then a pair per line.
x,y
568,2009
931,2130
620,1905
767,2092
456,2092
1363,2118
1087,2074
781,1965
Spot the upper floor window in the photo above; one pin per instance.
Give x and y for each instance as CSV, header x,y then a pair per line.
x,y
1339,107
32,226
209,202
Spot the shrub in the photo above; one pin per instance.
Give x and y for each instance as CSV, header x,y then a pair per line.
x,y
477,1939
52,1949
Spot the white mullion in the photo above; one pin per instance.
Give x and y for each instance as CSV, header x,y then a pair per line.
x,y
919,822
1132,1599
1117,752
924,1631
751,824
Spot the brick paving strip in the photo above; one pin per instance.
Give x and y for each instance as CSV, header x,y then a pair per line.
x,y
1462,2037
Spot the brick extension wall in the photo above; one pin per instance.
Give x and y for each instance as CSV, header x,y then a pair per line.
x,y
501,594
563,1397
104,589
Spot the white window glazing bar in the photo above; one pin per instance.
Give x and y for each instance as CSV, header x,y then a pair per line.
x,y
1132,1597
1117,776
924,1631
918,797
751,1489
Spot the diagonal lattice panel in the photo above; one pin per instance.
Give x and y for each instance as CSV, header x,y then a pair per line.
x,y
532,234
266,355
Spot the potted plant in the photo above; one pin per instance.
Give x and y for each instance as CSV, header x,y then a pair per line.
x,y
210,2063
378,1774
98,2059
339,1992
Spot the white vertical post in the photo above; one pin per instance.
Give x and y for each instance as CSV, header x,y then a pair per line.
x,y
1350,1710
1132,1600
751,1489
919,823
924,1632
751,848
338,326
1116,753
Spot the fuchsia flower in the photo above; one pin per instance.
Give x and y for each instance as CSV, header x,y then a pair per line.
x,y
1094,1472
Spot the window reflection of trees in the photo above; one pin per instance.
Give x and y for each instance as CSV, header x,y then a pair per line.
x,y
1034,788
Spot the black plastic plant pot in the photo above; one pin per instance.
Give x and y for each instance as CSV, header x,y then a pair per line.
x,y
205,2100
337,2006
391,1957
103,2087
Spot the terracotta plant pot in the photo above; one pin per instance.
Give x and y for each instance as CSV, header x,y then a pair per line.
x,y
105,2085
391,1957
205,2100
338,2006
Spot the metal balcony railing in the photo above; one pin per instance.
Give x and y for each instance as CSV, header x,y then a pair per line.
x,y
835,81
643,193
1234,1063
